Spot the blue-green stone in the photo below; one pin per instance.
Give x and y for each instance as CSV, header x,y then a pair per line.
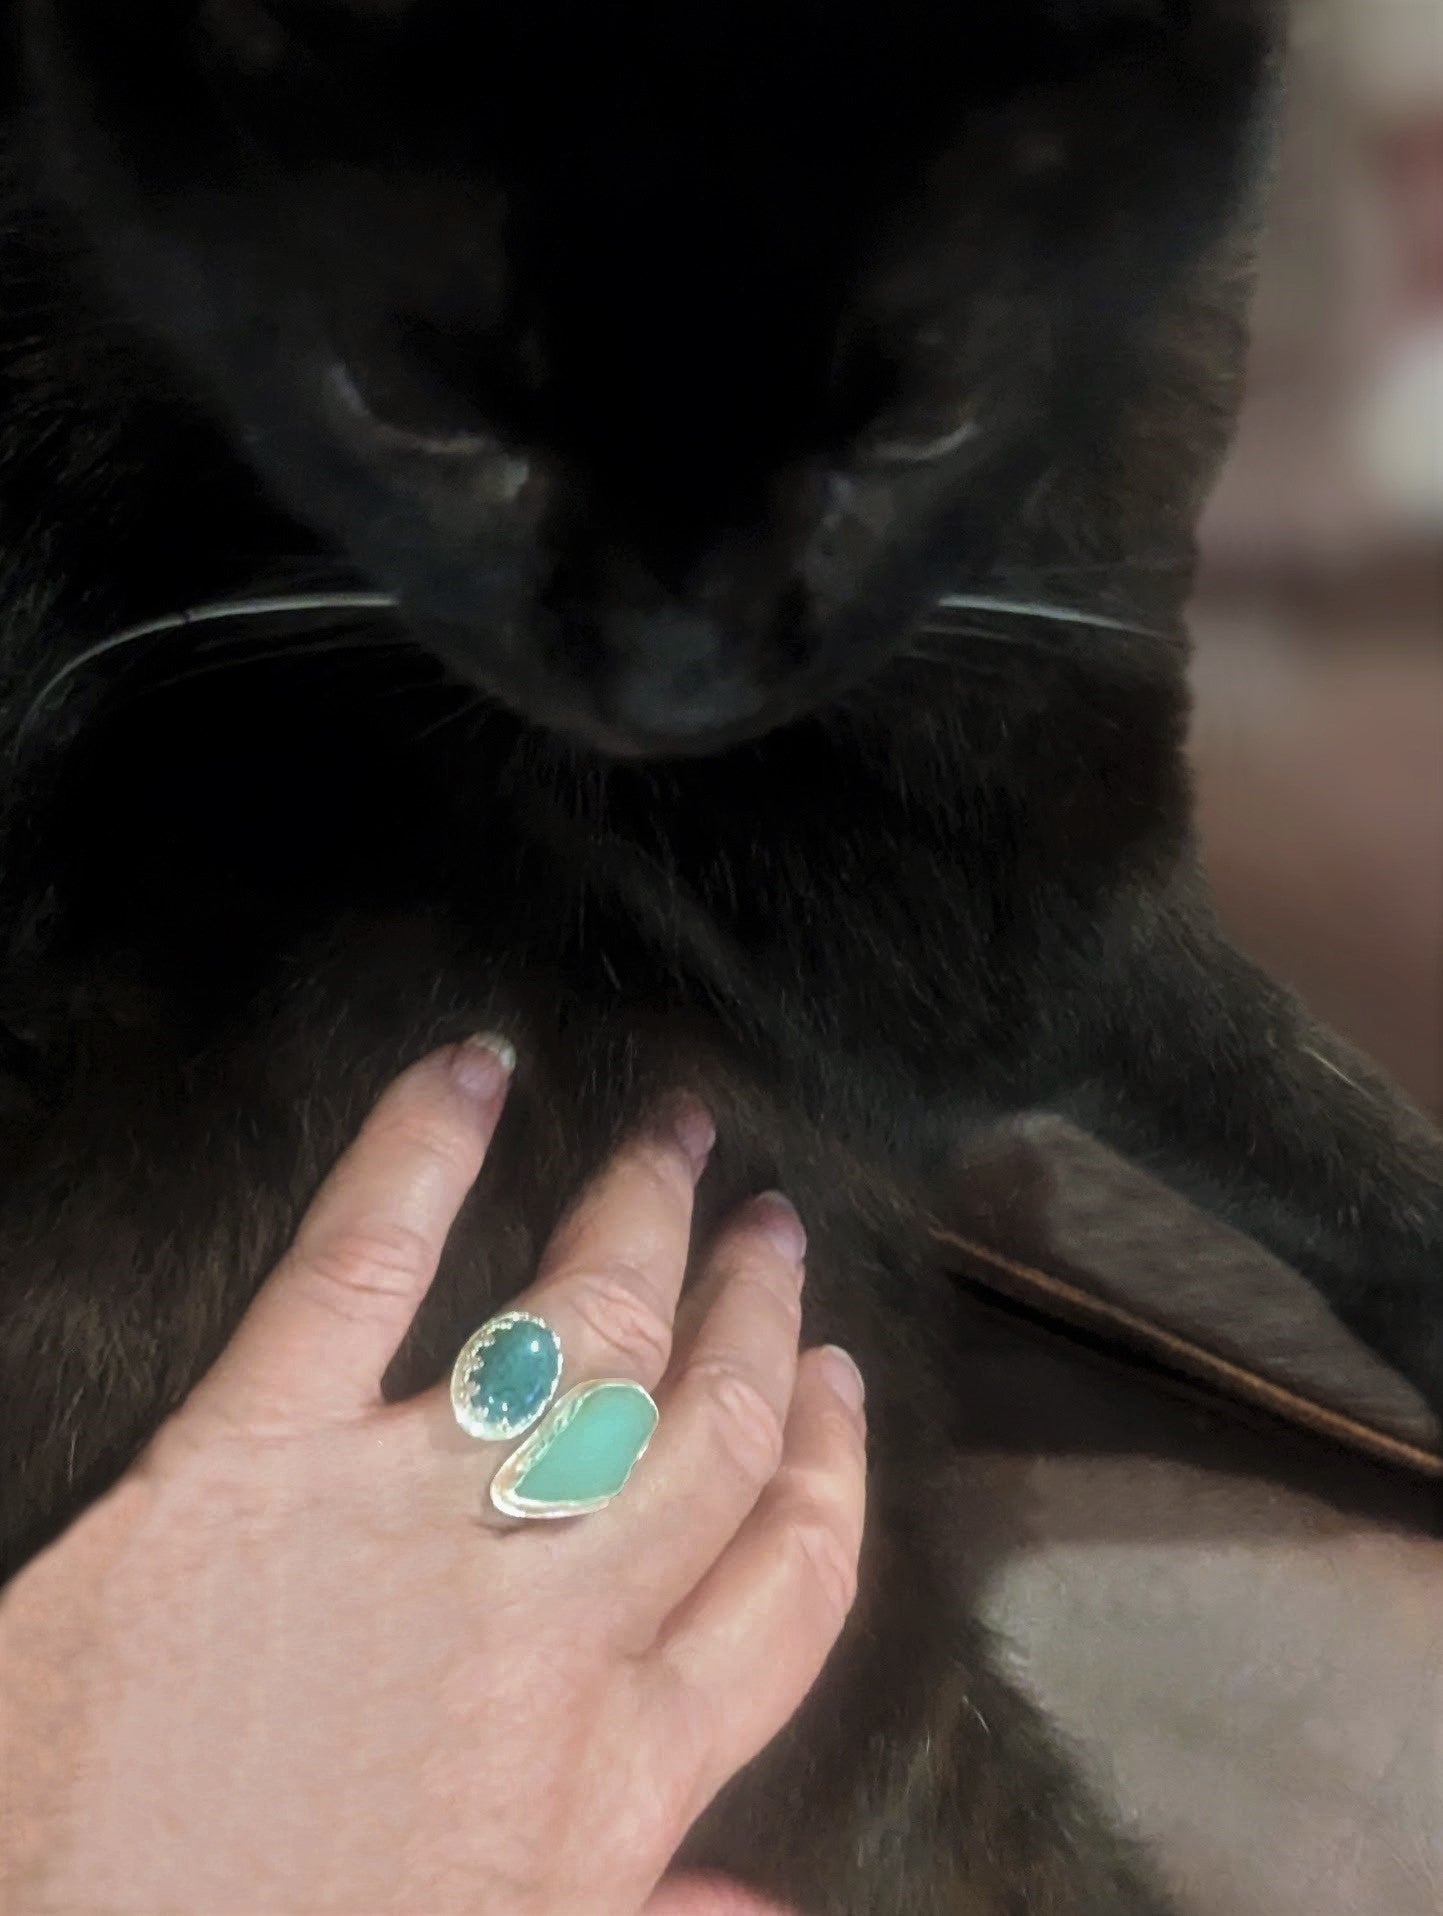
x,y
506,1376
581,1456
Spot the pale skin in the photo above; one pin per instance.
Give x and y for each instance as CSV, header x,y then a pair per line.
x,y
290,1663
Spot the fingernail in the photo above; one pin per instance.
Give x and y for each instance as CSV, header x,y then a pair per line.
x,y
694,1130
482,1066
776,1218
843,1376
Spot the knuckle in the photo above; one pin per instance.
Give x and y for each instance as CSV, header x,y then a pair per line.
x,y
378,1259
746,1423
776,1290
823,1555
657,1175
618,1306
428,1134
657,1159
788,1299
846,1437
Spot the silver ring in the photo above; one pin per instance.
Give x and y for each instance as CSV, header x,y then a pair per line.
x,y
582,1449
505,1376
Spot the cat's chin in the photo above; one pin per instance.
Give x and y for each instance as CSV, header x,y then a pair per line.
x,y
594,735
557,707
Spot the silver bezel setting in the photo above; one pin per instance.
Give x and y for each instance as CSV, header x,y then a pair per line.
x,y
484,1428
522,1458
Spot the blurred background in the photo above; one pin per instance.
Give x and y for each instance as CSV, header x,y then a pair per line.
x,y
1318,737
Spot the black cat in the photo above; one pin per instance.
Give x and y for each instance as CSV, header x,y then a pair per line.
x,y
671,369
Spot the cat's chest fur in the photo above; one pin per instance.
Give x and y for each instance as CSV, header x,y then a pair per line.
x,y
296,886
220,1106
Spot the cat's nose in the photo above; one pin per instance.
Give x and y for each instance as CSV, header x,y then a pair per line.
x,y
673,677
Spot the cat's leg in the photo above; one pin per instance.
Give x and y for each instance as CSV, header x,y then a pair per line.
x,y
1208,1074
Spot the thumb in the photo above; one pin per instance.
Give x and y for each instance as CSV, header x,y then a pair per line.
x,y
322,1329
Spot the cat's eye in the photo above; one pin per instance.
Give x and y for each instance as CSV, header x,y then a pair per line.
x,y
883,407
419,387
918,446
439,436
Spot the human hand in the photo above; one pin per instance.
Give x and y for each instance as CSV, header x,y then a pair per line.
x,y
284,1665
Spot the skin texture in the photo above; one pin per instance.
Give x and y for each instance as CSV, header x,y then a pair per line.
x,y
930,872
282,1666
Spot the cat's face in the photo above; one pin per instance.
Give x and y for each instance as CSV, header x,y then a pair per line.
x,y
665,361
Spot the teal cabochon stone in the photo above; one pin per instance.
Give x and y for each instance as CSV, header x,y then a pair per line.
x,y
585,1450
509,1380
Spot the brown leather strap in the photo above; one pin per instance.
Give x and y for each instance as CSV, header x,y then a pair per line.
x,y
1057,1298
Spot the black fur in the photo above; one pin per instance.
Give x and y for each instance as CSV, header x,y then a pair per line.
x,y
662,768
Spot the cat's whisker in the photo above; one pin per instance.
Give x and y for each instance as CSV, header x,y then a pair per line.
x,y
337,657
285,648
959,654
1051,642
952,643
1046,613
473,707
277,605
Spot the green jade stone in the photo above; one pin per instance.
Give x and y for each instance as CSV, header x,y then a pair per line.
x,y
582,1455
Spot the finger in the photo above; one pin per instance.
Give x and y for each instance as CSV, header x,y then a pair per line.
x,y
323,1328
735,1661
724,1414
610,1278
